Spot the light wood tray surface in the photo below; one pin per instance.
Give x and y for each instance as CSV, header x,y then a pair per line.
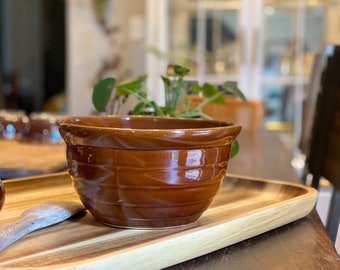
x,y
243,208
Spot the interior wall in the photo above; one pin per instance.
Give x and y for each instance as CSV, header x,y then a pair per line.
x,y
101,42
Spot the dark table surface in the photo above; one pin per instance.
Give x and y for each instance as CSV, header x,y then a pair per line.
x,y
303,244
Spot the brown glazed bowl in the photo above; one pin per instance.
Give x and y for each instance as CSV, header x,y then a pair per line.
x,y
145,171
2,194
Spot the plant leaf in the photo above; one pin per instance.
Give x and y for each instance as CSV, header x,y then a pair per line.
x,y
234,149
180,71
231,88
157,109
138,108
133,86
166,80
205,102
195,88
211,91
176,90
102,93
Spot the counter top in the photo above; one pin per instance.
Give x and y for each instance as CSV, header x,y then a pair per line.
x,y
301,244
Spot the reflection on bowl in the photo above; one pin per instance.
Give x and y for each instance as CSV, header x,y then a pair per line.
x,y
146,172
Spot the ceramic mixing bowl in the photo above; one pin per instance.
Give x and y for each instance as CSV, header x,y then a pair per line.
x,y
144,171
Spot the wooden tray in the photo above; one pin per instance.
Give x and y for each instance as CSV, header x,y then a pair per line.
x,y
243,208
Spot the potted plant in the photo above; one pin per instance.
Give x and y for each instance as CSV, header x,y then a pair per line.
x,y
106,91
162,171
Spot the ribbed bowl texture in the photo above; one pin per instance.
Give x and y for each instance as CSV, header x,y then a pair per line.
x,y
145,171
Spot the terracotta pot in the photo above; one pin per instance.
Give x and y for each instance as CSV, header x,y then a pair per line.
x,y
145,171
2,194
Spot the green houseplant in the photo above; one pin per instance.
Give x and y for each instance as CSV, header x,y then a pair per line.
x,y
141,172
176,102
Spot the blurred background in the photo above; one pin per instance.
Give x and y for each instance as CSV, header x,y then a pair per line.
x,y
52,52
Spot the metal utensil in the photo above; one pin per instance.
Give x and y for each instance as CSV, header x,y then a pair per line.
x,y
37,217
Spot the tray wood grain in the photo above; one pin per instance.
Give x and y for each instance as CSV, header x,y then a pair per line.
x,y
243,208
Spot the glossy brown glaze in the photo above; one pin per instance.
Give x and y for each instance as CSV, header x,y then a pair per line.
x,y
2,194
146,172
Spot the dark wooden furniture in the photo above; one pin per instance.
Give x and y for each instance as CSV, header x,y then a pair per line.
x,y
323,156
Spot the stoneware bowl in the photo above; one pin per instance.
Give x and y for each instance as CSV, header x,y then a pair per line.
x,y
2,194
144,171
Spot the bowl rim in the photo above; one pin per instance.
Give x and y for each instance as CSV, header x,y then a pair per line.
x,y
70,121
